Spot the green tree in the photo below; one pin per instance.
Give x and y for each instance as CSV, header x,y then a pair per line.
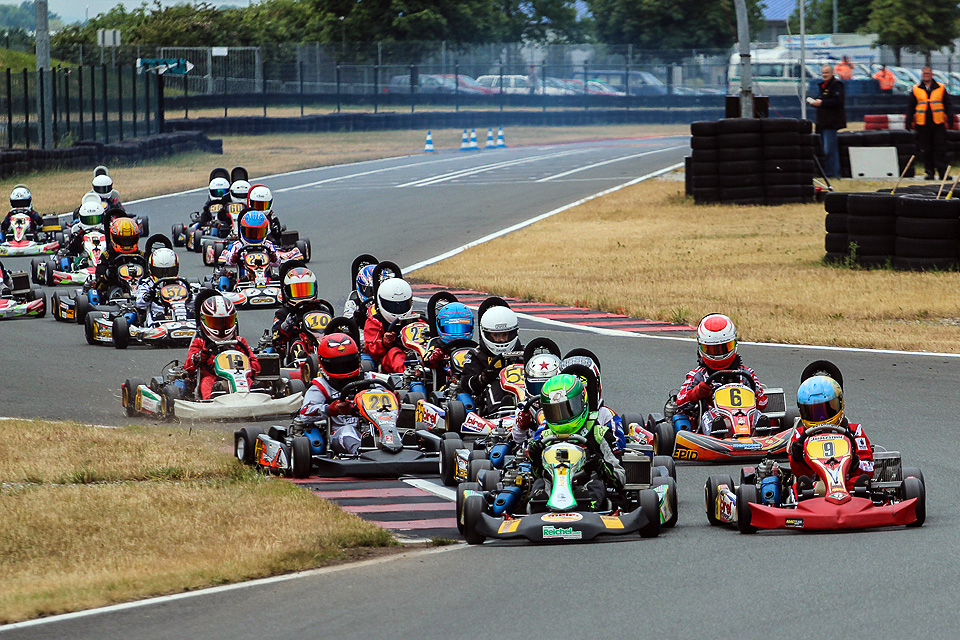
x,y
852,16
544,21
671,24
921,26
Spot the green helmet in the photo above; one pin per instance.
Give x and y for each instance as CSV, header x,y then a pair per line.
x,y
563,399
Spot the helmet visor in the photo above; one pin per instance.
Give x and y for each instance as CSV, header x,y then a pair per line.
x,y
165,272
534,386
221,327
397,307
302,290
560,412
218,193
261,205
91,219
103,189
457,327
718,350
254,234
820,412
20,203
501,337
342,366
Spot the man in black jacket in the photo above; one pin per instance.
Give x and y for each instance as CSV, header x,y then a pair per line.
x,y
929,112
831,117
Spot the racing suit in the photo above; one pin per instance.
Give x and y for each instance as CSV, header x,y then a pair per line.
x,y
148,307
235,250
481,371
385,351
200,360
35,220
356,309
321,400
691,393
601,461
863,453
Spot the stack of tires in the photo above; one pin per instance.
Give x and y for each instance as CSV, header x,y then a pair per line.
x,y
835,242
752,161
902,140
871,227
927,233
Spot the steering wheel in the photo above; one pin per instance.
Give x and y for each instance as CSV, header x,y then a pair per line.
x,y
726,376
572,439
353,388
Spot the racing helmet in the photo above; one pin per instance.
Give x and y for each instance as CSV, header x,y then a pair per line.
x,y
499,329
299,286
239,191
454,322
218,319
91,215
539,369
820,401
339,357
219,187
254,227
21,198
394,299
563,399
124,235
717,341
103,185
260,198
365,282
164,263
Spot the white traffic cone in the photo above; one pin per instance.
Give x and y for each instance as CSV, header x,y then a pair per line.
x,y
500,143
490,143
428,147
473,141
465,142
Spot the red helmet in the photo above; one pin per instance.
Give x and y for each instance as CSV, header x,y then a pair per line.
x,y
717,339
218,319
339,357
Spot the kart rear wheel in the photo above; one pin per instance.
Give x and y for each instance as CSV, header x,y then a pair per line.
x,y
746,495
121,333
88,329
914,472
48,273
195,241
448,460
206,251
462,488
911,487
474,466
144,226
671,498
35,271
177,232
43,308
302,463
489,479
244,443
711,492
666,461
293,386
82,307
304,250
650,504
128,395
472,515
456,414
309,368
664,439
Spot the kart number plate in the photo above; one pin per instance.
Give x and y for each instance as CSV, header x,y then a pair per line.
x,y
316,321
828,446
735,396
233,361
377,401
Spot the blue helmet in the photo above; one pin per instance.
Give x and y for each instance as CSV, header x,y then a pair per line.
x,y
254,227
454,321
820,400
365,282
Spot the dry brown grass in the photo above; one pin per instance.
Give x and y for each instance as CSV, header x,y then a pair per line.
x,y
60,191
77,545
649,252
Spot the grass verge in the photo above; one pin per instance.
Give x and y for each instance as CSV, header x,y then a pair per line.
x,y
99,516
648,251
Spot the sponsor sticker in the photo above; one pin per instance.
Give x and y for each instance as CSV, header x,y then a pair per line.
x,y
182,333
561,533
750,446
561,517
261,300
509,526
685,454
611,522
794,523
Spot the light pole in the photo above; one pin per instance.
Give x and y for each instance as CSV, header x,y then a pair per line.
x,y
343,37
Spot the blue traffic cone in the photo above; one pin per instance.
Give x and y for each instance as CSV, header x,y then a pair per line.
x,y
490,143
473,141
465,142
500,143
428,147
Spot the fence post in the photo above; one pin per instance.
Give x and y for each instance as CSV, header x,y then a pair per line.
x,y
66,97
224,66
543,84
338,87
376,86
93,102
627,82
9,108
41,110
133,92
103,94
80,98
161,107
414,77
501,88
586,79
120,99
55,105
26,106
456,86
186,97
300,76
263,89
146,101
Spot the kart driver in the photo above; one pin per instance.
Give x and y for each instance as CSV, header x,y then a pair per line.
x,y
90,218
122,239
360,299
563,399
454,322
21,201
538,370
260,199
499,335
394,302
163,263
103,187
717,351
299,286
219,193
253,233
216,329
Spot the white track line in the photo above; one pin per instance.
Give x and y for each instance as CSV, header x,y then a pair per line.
x,y
606,162
228,587
424,182
425,485
364,173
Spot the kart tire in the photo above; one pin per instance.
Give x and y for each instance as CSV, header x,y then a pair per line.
x,y
206,251
293,386
666,461
218,249
461,489
195,241
711,491
88,322
128,391
450,436
746,495
35,271
456,414
914,472
489,480
407,417
121,333
178,233
144,226
302,457
671,486
664,441
309,368
835,202
650,504
475,465
304,250
477,452
82,307
448,460
912,488
835,223
472,514
244,443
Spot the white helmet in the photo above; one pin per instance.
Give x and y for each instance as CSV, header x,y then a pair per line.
x,y
91,215
260,198
103,185
239,190
219,187
20,197
539,369
394,298
164,263
717,339
499,329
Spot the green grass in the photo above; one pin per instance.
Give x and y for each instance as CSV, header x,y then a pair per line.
x,y
18,60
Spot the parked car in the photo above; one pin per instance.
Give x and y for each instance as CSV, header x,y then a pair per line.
x,y
468,84
519,84
427,83
634,83
593,87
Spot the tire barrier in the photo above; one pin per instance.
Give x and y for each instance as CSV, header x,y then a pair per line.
x,y
86,154
752,161
913,231
902,140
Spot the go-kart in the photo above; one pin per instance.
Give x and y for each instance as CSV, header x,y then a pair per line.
x,y
740,429
175,328
191,234
24,239
74,307
174,395
253,285
72,270
763,500
384,449
502,504
17,298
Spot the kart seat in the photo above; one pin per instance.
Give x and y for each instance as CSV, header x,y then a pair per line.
x,y
269,366
20,283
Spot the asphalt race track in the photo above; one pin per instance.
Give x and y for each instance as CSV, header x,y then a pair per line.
x,y
692,582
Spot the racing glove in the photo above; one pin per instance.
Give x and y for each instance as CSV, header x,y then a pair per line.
x,y
433,358
702,391
148,295
289,323
388,338
524,420
340,407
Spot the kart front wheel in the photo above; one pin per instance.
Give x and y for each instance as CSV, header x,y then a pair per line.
x,y
128,395
178,234
650,504
300,451
35,271
244,443
914,472
448,460
668,463
474,466
664,439
472,515
711,493
456,414
462,489
121,333
670,497
88,327
746,495
82,307
911,487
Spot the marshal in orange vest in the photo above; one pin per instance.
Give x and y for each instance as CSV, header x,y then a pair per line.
x,y
933,102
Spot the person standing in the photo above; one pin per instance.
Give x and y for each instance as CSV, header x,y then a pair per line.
x,y
831,117
885,79
928,113
844,69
